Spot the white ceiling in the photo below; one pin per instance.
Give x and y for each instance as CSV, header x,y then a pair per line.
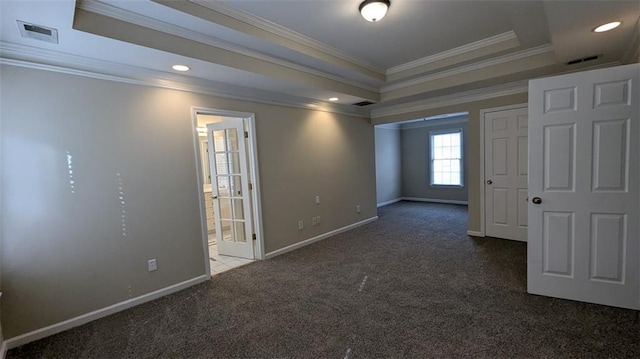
x,y
305,51
411,30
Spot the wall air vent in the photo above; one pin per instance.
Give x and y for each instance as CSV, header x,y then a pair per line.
x,y
363,103
577,61
37,32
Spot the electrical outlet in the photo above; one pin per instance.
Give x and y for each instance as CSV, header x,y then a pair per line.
x,y
358,208
153,265
317,199
300,225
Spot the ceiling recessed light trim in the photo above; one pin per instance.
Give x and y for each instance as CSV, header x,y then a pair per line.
x,y
181,68
608,26
374,10
334,99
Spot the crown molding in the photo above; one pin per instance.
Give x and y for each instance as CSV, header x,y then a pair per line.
x,y
242,21
497,39
471,67
165,27
448,100
47,60
282,31
486,93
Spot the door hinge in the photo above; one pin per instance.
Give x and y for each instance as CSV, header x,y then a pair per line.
x,y
246,134
254,237
250,187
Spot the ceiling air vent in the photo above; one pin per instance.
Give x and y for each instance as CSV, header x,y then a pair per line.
x,y
363,103
37,32
577,61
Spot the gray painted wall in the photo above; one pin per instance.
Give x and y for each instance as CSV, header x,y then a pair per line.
x,y
416,157
388,164
473,144
64,253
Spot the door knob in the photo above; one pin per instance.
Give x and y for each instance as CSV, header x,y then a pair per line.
x,y
214,197
536,200
489,181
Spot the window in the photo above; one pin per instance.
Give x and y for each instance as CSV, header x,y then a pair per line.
x,y
446,158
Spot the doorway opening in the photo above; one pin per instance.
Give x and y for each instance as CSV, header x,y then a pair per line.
x,y
226,161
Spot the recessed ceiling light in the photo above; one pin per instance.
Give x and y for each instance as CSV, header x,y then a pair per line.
x,y
333,99
180,67
607,27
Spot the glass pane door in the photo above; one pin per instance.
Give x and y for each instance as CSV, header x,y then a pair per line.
x,y
230,189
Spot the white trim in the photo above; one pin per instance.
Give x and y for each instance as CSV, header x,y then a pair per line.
x,y
486,93
475,233
390,126
3,344
100,313
318,238
493,40
434,200
255,192
433,123
287,34
543,49
249,119
483,113
446,131
200,182
453,99
389,202
168,28
158,79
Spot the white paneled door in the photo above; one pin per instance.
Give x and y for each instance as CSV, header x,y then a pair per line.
x,y
505,173
230,188
584,187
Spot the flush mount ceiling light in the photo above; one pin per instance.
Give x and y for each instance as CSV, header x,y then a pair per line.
x,y
374,10
607,26
180,67
333,99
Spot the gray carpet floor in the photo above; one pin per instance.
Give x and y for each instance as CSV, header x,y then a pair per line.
x,y
410,285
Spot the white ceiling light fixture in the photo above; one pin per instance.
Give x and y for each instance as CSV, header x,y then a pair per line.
x,y
374,10
607,26
181,68
333,99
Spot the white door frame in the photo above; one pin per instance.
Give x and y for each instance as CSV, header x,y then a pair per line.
x,y
483,112
254,177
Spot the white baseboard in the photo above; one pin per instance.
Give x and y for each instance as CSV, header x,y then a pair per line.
x,y
3,344
433,200
475,233
389,202
97,314
318,238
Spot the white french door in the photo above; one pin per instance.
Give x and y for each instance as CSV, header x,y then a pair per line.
x,y
584,187
505,188
230,188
